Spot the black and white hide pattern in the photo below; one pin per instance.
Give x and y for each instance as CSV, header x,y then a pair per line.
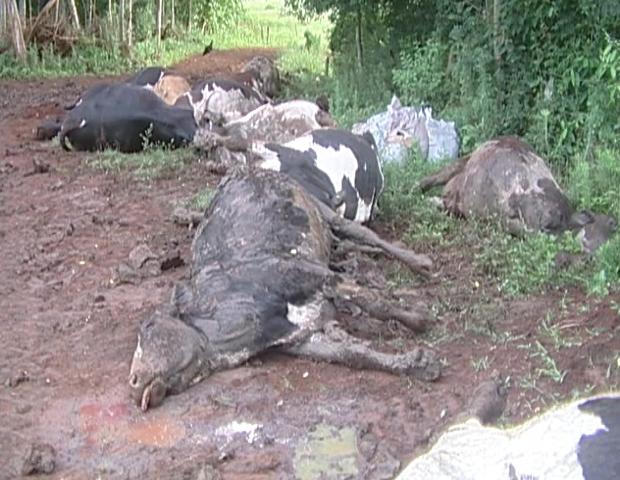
x,y
220,100
338,167
124,117
260,279
576,441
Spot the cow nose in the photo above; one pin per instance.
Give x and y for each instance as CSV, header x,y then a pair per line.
x,y
134,381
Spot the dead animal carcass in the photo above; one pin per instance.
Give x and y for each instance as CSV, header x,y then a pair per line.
x,y
576,441
505,178
261,279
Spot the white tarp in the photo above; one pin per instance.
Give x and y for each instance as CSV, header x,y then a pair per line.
x,y
436,139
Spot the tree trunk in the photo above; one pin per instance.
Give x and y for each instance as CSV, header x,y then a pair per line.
x,y
15,27
130,25
358,39
74,14
110,11
189,16
172,12
121,22
160,11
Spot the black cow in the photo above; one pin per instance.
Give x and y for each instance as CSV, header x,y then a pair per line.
x,y
147,76
260,279
122,117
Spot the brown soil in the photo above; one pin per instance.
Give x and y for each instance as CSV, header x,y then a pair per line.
x,y
68,332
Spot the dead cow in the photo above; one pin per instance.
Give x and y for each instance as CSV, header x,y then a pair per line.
x,y
261,279
339,168
220,100
576,441
124,117
269,123
504,177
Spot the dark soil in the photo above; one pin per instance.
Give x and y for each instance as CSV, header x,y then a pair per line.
x,y
68,332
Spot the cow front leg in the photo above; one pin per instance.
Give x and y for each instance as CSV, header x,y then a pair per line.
x,y
343,228
334,345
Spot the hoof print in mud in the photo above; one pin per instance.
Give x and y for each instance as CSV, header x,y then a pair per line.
x,y
38,458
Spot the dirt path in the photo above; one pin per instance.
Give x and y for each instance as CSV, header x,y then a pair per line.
x,y
68,332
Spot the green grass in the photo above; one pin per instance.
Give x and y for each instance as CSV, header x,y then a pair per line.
x,y
268,24
264,23
495,259
150,164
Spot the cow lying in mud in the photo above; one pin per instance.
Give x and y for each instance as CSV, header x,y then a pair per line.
x,y
220,100
338,167
276,123
125,117
260,279
504,177
579,440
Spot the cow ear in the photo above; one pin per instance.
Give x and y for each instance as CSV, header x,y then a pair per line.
x,y
583,218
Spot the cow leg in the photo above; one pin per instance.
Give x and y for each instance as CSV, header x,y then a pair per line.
x,y
444,175
421,264
334,345
414,318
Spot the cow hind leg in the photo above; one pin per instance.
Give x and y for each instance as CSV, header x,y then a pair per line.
x,y
334,345
343,228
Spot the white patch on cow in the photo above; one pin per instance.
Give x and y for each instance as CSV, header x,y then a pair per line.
x,y
82,123
545,447
305,316
137,355
336,163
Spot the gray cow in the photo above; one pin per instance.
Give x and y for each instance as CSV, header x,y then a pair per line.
x,y
261,279
505,177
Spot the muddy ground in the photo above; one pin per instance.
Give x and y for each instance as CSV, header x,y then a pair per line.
x,y
68,331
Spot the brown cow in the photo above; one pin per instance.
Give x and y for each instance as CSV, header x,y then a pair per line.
x,y
505,177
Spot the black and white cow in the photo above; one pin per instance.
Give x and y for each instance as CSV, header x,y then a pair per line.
x,y
124,117
220,100
338,167
260,279
577,441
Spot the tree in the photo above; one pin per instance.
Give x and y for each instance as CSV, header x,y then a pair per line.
x,y
15,28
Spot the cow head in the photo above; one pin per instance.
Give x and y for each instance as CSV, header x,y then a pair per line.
x,y
169,357
593,229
